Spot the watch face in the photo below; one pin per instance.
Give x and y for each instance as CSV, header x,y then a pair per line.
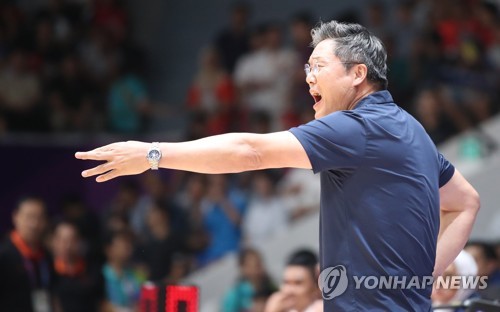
x,y
154,155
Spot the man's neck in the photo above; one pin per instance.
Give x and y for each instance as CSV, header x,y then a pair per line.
x,y
364,92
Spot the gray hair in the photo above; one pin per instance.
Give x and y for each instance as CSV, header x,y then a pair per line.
x,y
354,44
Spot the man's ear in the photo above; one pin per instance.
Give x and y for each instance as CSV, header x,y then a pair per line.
x,y
360,71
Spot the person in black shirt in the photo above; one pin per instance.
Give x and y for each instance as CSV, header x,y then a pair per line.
x,y
233,42
25,266
158,251
79,285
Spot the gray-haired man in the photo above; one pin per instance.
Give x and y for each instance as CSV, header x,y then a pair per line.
x,y
391,204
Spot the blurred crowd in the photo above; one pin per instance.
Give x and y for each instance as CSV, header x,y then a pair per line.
x,y
443,59
72,66
79,262
155,229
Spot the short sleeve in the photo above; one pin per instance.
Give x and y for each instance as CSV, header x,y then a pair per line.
x,y
446,170
335,141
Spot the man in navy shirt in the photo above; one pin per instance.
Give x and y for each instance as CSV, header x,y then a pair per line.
x,y
391,204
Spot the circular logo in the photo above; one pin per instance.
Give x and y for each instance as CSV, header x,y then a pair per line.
x,y
333,282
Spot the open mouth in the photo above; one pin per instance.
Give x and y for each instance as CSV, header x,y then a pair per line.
x,y
316,97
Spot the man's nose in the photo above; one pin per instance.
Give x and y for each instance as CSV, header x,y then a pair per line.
x,y
310,79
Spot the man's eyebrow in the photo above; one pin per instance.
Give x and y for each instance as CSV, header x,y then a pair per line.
x,y
317,58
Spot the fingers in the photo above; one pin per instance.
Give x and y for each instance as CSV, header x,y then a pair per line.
x,y
108,176
98,170
93,155
100,153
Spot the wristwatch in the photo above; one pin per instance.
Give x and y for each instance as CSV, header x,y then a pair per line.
x,y
154,155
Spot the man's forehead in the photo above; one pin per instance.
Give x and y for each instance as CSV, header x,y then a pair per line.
x,y
322,51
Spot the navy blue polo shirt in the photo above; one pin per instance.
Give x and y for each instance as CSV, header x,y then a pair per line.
x,y
380,180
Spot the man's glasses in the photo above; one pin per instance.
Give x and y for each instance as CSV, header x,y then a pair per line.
x,y
315,68
311,69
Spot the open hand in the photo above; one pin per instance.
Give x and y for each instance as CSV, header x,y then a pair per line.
x,y
122,158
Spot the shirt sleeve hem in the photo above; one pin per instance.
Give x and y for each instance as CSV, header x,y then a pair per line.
x,y
306,145
446,175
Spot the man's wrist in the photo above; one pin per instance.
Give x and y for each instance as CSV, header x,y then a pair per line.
x,y
154,155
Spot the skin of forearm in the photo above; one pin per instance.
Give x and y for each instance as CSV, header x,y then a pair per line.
x,y
454,232
225,153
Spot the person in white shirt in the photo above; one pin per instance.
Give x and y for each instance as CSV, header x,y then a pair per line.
x,y
264,76
266,216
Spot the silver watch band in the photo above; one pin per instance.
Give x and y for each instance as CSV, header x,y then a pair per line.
x,y
153,163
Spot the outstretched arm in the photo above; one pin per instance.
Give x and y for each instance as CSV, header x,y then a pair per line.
x,y
226,153
459,203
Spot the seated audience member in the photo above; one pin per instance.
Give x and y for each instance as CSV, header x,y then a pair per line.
x,y
300,192
463,265
25,267
222,209
259,301
212,92
79,285
266,216
253,280
299,288
122,282
159,249
487,264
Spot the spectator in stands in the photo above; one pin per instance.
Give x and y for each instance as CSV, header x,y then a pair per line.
x,y
223,209
129,107
300,29
299,288
376,19
191,201
233,42
487,263
299,190
76,108
493,51
25,266
180,268
66,18
45,54
117,216
122,281
259,301
212,92
19,93
79,285
76,212
265,76
98,56
464,265
111,18
154,190
266,216
253,280
431,114
163,243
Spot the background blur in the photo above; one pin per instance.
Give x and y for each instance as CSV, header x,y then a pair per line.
x,y
76,74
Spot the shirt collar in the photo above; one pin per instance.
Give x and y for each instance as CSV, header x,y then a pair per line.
x,y
378,97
